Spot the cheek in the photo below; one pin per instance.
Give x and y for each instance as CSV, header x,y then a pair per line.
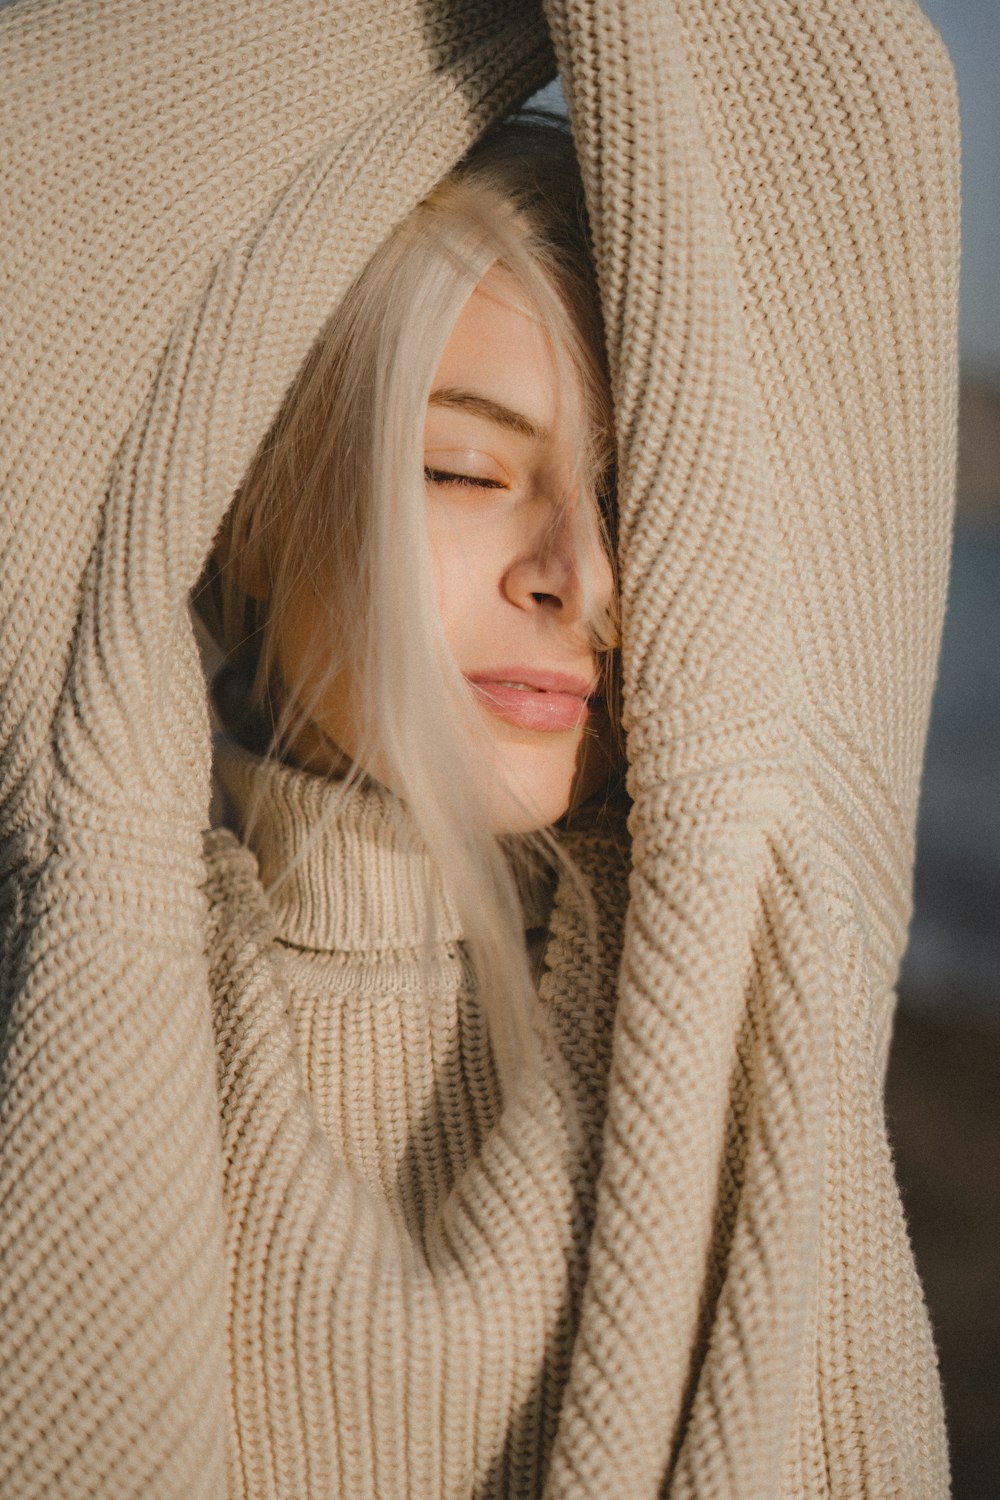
x,y
466,554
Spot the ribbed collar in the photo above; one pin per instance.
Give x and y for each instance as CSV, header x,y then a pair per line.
x,y
357,875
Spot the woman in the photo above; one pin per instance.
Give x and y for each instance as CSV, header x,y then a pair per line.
x,y
416,574
418,588
728,1306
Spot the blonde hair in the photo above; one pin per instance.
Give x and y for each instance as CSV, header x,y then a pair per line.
x,y
334,501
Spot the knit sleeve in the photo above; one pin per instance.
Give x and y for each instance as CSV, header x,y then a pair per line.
x,y
841,128
187,189
780,309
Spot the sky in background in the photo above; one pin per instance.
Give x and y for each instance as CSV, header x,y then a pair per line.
x,y
971,30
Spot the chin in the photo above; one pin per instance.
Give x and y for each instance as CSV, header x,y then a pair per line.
x,y
530,789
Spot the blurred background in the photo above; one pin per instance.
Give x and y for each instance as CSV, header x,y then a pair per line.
x,y
943,1088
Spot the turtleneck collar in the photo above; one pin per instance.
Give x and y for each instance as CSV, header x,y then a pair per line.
x,y
343,873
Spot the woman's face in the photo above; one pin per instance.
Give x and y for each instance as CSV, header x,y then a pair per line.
x,y
509,571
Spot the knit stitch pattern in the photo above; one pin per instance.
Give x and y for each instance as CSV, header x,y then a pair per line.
x,y
436,1244
188,190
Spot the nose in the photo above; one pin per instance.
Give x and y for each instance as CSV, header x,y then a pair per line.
x,y
564,568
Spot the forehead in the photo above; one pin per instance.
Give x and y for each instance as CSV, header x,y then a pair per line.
x,y
501,350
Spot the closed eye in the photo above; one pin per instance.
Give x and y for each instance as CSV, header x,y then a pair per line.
x,y
470,481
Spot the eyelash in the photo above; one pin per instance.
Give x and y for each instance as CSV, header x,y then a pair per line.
x,y
444,476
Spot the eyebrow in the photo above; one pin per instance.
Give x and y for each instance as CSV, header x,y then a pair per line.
x,y
493,411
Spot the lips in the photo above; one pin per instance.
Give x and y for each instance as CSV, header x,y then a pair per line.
x,y
547,701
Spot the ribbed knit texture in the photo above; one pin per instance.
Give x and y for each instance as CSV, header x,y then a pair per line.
x,y
187,190
436,1246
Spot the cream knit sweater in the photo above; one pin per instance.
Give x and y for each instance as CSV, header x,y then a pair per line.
x,y
436,1246
187,189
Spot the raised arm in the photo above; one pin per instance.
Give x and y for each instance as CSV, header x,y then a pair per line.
x,y
187,189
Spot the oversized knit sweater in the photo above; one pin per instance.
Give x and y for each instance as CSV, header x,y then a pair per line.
x,y
426,1220
188,188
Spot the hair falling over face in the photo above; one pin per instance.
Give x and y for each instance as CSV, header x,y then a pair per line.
x,y
394,469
